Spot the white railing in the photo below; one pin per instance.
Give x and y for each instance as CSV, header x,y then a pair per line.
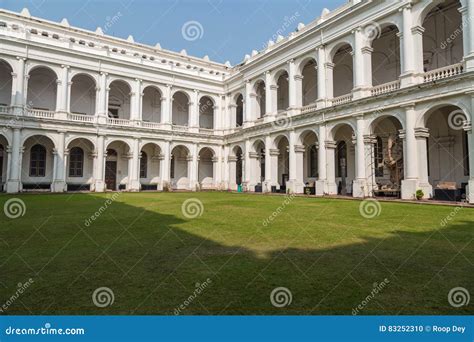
x,y
341,99
81,118
309,108
445,72
152,125
179,128
118,122
5,109
39,113
385,88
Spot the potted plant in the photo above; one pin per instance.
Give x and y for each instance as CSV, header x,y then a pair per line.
x,y
419,194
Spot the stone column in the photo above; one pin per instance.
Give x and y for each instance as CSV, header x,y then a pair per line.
x,y
134,169
193,167
18,98
165,165
329,80
331,163
410,183
321,71
246,167
194,111
232,167
468,34
359,185
292,85
321,183
15,158
422,135
269,165
166,103
269,95
469,127
103,99
135,101
248,112
59,183
216,172
359,65
295,183
99,164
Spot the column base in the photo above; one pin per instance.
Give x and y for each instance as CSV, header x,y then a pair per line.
x,y
13,187
134,185
427,190
321,188
295,187
321,103
409,187
361,92
360,188
409,79
99,186
470,192
194,186
58,186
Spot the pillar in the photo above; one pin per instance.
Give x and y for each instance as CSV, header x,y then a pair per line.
x,y
231,172
18,99
359,185
331,167
321,71
329,80
59,180
411,41
321,183
136,101
15,157
421,136
270,94
360,67
248,112
194,111
99,165
103,98
134,166
193,167
410,183
165,166
292,85
295,183
468,34
470,138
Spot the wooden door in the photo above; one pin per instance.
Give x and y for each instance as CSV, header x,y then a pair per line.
x,y
111,175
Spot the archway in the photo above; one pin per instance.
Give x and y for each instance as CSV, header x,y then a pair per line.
x,y
151,105
310,159
206,168
343,71
386,56
37,163
42,89
283,92
310,82
179,173
117,165
119,100
80,165
83,95
344,158
180,109
206,113
6,83
258,167
283,162
260,105
150,160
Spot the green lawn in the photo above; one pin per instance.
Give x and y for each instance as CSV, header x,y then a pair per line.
x,y
153,258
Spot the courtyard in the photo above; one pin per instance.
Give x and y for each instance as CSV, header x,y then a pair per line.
x,y
227,253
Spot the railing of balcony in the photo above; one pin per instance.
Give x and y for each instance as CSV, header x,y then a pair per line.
x,y
385,88
5,109
152,125
445,72
342,99
179,128
118,122
309,108
81,118
39,113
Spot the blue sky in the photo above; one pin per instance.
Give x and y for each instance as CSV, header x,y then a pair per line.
x,y
230,28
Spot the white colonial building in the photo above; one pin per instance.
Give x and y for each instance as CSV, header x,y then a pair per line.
x,y
373,98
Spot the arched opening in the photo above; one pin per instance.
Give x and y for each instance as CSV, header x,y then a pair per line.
x,y
38,163
151,105
283,92
5,84
258,169
344,159
206,168
180,109
119,100
386,157
80,165
343,71
42,89
386,56
443,36
117,166
447,152
206,113
260,99
239,111
180,159
283,165
310,82
310,159
150,163
83,95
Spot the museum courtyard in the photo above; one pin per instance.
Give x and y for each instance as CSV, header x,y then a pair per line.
x,y
217,253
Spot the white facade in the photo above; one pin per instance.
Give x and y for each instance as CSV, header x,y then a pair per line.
x,y
374,97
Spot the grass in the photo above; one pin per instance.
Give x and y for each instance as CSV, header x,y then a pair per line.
x,y
153,258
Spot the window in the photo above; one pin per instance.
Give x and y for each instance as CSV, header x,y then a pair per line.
x,y
378,157
76,162
313,161
143,165
37,161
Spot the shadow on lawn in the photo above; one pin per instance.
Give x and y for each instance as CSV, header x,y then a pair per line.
x,y
153,266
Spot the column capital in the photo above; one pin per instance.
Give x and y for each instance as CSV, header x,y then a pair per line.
x,y
422,132
299,148
418,30
330,144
